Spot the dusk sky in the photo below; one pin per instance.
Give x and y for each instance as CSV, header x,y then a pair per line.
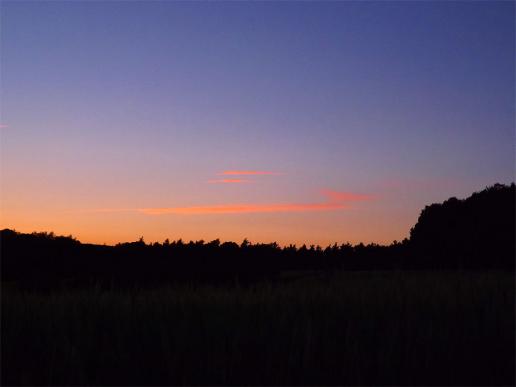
x,y
295,122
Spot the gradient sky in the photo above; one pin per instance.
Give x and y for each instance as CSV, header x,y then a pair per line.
x,y
295,122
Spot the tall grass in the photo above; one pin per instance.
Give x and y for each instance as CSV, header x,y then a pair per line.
x,y
361,328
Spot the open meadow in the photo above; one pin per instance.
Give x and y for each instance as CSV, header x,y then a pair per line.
x,y
347,328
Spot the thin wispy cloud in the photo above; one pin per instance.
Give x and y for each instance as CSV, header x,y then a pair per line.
x,y
248,173
3,126
334,201
229,181
243,208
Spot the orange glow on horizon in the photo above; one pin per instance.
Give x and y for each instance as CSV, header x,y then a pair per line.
x,y
322,222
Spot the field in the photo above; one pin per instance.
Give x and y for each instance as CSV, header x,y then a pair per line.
x,y
349,328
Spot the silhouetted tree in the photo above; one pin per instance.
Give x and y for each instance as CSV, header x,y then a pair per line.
x,y
473,233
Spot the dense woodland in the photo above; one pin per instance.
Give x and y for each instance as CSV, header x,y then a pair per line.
x,y
473,233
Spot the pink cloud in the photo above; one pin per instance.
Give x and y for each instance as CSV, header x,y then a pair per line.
x,y
3,126
248,173
243,208
230,181
335,201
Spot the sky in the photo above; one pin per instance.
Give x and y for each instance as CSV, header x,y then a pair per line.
x,y
295,122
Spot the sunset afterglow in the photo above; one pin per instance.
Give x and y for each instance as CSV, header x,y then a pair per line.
x,y
294,122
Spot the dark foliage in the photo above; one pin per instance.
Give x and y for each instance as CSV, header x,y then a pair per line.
x,y
474,233
477,232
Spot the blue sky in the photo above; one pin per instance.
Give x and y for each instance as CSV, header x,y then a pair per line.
x,y
130,105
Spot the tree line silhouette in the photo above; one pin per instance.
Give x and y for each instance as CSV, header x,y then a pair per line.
x,y
473,233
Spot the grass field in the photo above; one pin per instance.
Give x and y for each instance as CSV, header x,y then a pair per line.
x,y
358,328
